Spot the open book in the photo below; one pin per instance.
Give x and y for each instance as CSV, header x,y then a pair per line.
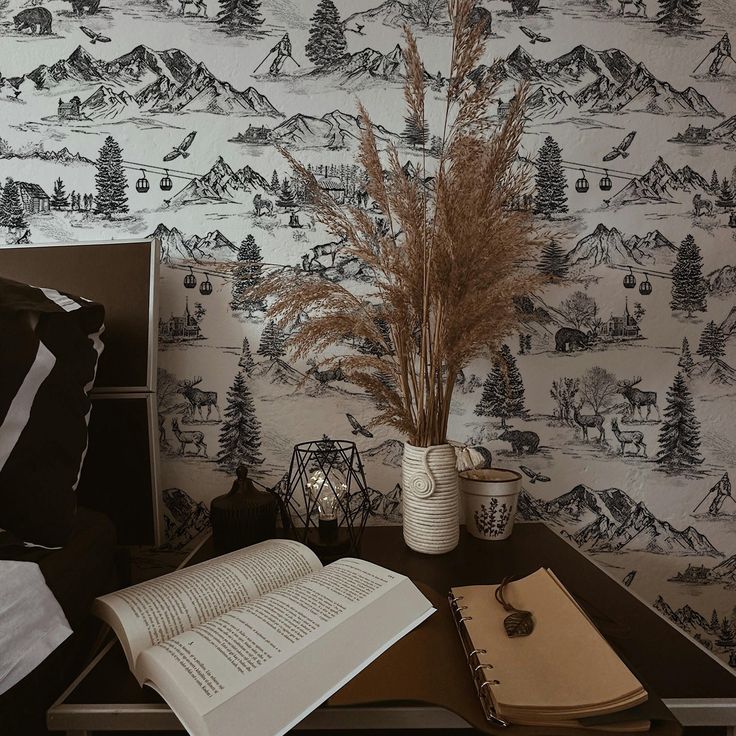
x,y
563,673
259,637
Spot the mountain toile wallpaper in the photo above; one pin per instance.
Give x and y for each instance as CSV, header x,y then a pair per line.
x,y
130,118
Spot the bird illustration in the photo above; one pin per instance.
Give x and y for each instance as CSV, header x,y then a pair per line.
x,y
533,35
358,428
182,149
533,475
93,35
622,148
359,29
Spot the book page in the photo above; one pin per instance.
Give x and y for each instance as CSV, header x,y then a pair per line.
x,y
280,655
152,612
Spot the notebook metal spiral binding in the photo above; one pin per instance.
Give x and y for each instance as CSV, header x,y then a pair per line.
x,y
477,668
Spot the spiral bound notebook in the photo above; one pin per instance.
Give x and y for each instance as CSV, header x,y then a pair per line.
x,y
563,673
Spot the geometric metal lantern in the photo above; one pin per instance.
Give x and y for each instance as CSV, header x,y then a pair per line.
x,y
327,498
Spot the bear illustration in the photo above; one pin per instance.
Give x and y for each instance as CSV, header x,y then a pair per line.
x,y
78,6
520,440
38,20
568,339
519,6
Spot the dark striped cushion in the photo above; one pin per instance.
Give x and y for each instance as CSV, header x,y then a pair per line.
x,y
50,343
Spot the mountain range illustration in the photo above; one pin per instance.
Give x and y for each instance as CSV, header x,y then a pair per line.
x,y
389,452
368,65
391,13
662,183
715,371
595,81
606,246
334,130
722,281
63,155
611,521
223,183
686,618
157,81
174,246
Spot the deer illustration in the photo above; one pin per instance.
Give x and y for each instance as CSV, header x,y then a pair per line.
x,y
199,6
639,5
197,398
635,438
195,438
325,377
586,421
637,398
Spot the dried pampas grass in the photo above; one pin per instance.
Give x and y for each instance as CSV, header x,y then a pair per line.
x,y
447,268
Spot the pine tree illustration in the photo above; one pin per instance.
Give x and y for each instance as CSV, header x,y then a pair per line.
x,y
240,434
714,621
714,181
550,197
686,362
514,384
274,181
726,635
327,44
493,397
111,180
246,361
12,214
725,195
247,275
286,196
712,342
679,436
59,199
688,287
273,341
242,13
416,132
553,260
679,13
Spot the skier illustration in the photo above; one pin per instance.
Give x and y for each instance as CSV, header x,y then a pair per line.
x,y
283,52
722,51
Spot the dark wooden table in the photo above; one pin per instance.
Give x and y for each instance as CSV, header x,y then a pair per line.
x,y
698,688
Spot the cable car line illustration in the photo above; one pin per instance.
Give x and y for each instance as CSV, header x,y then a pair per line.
x,y
645,286
206,287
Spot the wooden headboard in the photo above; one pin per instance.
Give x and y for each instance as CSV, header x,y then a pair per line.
x,y
120,475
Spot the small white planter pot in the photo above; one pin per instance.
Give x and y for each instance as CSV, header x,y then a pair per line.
x,y
489,499
430,499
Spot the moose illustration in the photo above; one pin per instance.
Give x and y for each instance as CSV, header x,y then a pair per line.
x,y
634,437
637,398
261,205
568,339
520,440
587,421
195,438
198,398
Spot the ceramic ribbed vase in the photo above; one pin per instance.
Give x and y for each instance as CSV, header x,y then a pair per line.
x,y
430,495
